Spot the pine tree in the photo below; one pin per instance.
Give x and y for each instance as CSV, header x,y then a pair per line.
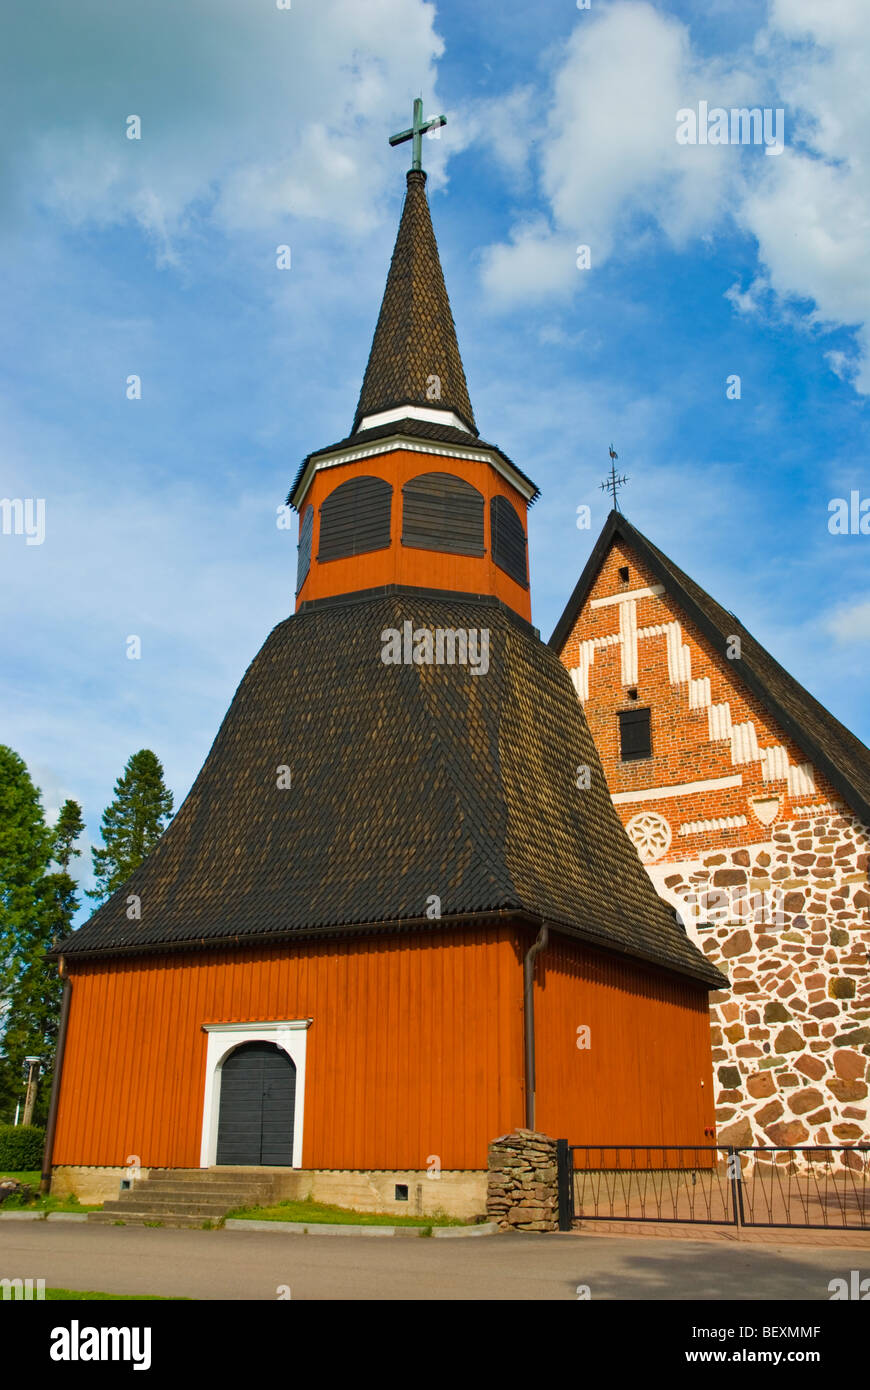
x,y
132,824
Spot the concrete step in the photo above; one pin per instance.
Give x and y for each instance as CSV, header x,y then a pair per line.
x,y
211,1175
232,1196
168,1207
144,1218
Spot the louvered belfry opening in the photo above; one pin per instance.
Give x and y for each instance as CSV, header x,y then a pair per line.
x,y
306,533
355,519
442,512
508,540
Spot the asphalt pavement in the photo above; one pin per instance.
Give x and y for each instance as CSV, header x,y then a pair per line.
x,y
225,1264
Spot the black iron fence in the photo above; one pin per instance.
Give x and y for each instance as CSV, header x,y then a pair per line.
x,y
821,1188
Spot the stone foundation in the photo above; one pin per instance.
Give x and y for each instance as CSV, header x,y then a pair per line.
x,y
90,1185
458,1193
522,1190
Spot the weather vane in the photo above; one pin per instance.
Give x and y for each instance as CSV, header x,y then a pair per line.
x,y
614,482
416,133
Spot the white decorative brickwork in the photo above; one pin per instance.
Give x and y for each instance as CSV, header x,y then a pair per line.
x,y
699,693
719,721
744,744
699,827
774,764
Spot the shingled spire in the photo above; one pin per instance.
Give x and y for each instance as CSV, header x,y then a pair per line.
x,y
415,357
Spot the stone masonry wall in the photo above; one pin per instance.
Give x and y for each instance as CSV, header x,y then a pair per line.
x,y
791,1039
522,1193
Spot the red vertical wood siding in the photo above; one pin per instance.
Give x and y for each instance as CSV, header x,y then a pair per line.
x,y
640,1080
415,1048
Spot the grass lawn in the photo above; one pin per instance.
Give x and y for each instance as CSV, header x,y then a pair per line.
x,y
314,1212
38,1202
62,1295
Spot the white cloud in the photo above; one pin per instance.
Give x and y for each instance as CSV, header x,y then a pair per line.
x,y
536,262
249,113
748,302
851,623
506,127
609,155
811,213
610,165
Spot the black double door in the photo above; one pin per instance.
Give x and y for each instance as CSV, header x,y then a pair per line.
x,y
258,1098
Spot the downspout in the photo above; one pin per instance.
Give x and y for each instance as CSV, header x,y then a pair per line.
x,y
529,1022
51,1123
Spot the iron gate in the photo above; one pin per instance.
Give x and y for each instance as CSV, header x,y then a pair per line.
x,y
813,1188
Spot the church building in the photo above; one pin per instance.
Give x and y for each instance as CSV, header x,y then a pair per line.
x,y
397,914
749,804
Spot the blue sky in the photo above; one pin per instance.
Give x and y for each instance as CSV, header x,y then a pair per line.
x,y
263,127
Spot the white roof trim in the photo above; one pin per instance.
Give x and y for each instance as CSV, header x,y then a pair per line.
x,y
432,414
416,446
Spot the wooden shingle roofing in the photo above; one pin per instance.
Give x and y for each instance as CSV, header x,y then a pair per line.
x,y
407,782
829,745
414,430
415,338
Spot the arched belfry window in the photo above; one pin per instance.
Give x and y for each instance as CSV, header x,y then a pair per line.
x,y
508,540
303,560
442,512
355,518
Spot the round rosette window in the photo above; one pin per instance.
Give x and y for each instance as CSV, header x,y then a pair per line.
x,y
650,834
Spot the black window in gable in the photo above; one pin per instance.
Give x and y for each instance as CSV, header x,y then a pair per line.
x,y
442,512
508,540
635,740
303,560
355,518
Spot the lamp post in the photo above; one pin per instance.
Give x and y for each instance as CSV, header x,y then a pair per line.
x,y
30,1096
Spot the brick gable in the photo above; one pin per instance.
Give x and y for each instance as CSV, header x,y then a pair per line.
x,y
743,833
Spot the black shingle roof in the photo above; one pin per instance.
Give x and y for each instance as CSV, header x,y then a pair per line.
x,y
407,782
829,745
415,337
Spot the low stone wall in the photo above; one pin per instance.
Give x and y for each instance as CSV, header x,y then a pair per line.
x,y
522,1190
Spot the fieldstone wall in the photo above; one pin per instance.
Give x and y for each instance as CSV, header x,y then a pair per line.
x,y
522,1189
791,1039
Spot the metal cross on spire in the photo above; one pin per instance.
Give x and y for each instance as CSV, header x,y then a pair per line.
x,y
614,482
416,133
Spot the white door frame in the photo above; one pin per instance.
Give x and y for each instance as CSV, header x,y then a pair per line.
x,y
224,1038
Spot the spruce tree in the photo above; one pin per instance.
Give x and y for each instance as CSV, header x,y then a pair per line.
x,y
36,907
132,824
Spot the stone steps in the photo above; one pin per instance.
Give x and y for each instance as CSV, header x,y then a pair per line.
x,y
191,1206
190,1191
186,1197
145,1218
